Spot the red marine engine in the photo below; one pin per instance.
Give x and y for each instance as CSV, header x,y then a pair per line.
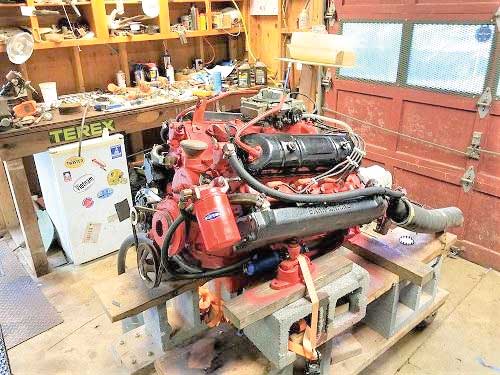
x,y
243,194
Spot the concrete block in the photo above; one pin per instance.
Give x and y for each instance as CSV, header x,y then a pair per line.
x,y
270,335
390,312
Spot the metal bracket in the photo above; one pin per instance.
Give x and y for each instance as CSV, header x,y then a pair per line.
x,y
484,103
474,150
468,179
326,80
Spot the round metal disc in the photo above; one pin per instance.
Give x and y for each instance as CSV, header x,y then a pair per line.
x,y
148,263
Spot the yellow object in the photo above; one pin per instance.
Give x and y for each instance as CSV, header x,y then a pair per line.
x,y
202,22
115,177
203,93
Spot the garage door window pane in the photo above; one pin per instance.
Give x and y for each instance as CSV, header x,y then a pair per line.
x,y
377,47
450,57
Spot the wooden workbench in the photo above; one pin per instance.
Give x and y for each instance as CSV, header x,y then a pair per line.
x,y
16,144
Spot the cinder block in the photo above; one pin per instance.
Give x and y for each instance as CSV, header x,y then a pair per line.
x,y
270,335
390,312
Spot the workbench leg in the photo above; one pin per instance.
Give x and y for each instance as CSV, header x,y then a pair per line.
x,y
7,206
26,213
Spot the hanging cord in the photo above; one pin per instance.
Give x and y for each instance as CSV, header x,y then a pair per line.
x,y
247,39
212,48
493,153
231,34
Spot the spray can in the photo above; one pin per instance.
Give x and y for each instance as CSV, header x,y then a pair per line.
x,y
260,73
120,79
244,75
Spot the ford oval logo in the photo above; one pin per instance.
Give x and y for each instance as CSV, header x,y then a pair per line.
x,y
212,215
104,193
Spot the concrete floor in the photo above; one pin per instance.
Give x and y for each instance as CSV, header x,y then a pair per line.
x,y
464,338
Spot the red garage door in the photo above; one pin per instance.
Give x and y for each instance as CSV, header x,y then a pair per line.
x,y
422,67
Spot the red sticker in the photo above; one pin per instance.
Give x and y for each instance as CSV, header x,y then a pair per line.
x,y
88,202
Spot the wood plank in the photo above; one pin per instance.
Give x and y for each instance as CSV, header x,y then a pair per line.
x,y
126,295
427,245
380,253
345,346
381,280
26,213
374,345
261,301
7,208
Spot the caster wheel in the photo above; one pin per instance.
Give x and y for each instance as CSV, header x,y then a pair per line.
x,y
426,322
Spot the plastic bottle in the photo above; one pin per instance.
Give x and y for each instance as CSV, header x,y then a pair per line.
x,y
194,17
260,73
120,79
244,75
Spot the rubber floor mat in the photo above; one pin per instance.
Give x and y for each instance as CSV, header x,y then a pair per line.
x,y
4,360
24,310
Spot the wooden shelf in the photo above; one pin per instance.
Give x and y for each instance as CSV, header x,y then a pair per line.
x,y
97,13
55,4
14,5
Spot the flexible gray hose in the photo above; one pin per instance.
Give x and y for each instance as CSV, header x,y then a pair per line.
x,y
307,198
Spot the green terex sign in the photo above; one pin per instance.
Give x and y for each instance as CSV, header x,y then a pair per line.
x,y
72,133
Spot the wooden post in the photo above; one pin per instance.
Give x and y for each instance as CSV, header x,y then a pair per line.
x,y
7,207
122,50
77,69
26,213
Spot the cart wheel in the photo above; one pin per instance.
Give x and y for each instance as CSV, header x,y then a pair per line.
x,y
426,322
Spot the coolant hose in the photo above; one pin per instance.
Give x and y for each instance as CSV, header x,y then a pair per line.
x,y
192,271
124,248
418,219
305,198
168,237
219,272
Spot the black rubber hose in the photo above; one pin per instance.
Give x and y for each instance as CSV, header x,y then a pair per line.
x,y
124,247
184,265
219,272
421,220
308,198
168,237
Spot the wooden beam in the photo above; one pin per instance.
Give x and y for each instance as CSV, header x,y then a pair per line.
x,y
26,213
386,256
77,69
122,50
261,301
7,207
126,295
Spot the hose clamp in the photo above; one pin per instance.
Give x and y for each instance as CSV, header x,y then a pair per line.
x,y
229,150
